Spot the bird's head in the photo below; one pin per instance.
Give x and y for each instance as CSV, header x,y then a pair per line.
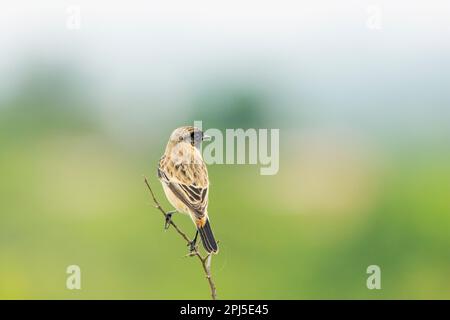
x,y
188,134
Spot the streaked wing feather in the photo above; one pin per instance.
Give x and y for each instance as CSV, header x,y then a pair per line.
x,y
194,197
198,207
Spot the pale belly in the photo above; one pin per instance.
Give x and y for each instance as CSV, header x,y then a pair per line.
x,y
174,201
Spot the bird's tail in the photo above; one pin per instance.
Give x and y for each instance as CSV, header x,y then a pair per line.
x,y
209,243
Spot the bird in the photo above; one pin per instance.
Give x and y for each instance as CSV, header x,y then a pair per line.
x,y
184,178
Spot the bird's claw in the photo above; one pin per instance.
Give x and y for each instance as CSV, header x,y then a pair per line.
x,y
192,247
168,220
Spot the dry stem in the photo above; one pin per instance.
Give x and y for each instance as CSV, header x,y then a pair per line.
x,y
205,261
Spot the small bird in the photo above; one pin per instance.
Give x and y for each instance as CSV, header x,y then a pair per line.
x,y
184,178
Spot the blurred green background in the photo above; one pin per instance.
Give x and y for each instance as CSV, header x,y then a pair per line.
x,y
364,173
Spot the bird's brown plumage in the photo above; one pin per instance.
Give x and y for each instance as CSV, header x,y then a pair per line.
x,y
185,177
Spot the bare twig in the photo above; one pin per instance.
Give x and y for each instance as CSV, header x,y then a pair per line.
x,y
205,261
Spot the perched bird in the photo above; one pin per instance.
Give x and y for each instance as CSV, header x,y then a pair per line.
x,y
184,178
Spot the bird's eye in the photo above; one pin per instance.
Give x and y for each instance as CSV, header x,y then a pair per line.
x,y
192,137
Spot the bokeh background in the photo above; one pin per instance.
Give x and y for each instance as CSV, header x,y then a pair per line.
x,y
358,89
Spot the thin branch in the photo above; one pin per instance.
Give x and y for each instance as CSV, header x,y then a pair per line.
x,y
205,261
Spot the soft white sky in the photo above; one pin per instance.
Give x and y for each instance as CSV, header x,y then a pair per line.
x,y
318,52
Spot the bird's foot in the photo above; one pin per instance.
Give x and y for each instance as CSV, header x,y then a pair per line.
x,y
192,246
168,219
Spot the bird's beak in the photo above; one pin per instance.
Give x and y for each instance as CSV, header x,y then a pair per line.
x,y
206,138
